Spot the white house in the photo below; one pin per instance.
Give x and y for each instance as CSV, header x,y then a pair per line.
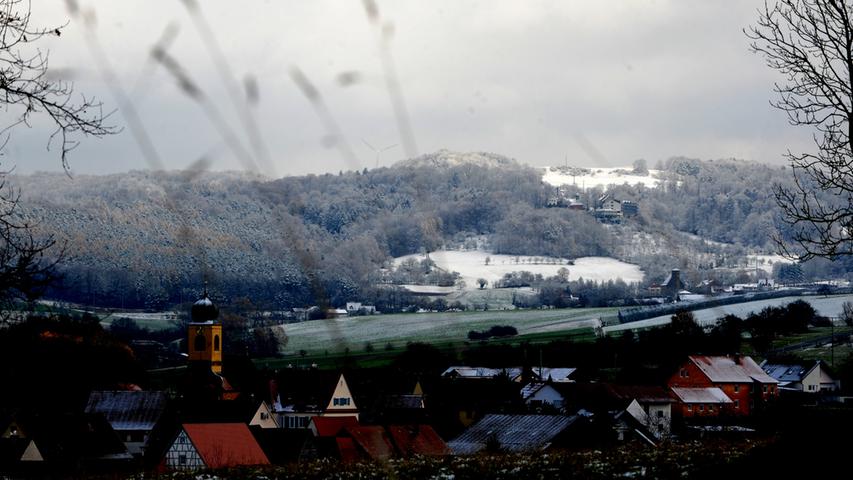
x,y
810,379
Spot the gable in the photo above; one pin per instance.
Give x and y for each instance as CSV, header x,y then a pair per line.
x,y
13,431
264,417
341,397
32,453
182,454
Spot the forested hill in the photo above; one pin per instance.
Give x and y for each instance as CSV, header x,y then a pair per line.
x,y
148,238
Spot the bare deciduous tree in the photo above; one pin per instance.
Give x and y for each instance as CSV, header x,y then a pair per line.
x,y
26,91
811,43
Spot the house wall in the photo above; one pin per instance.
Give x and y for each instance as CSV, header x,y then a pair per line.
x,y
657,417
182,455
341,404
264,417
547,395
741,395
134,440
295,420
701,410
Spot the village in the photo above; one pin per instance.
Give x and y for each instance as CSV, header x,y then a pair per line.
x,y
211,419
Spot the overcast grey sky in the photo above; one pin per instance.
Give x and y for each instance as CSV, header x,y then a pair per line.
x,y
603,83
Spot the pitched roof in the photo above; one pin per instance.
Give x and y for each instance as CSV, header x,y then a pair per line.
x,y
225,444
642,393
417,440
514,433
787,373
530,389
554,374
347,449
331,426
128,410
728,369
701,395
481,372
372,440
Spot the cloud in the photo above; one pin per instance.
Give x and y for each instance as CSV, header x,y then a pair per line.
x,y
637,79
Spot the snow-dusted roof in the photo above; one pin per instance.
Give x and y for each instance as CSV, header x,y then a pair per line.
x,y
787,373
701,395
555,374
124,410
726,369
530,389
514,433
481,372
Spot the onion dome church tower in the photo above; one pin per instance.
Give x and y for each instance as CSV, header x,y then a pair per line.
x,y
205,335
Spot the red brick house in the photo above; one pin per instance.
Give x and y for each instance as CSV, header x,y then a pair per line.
x,y
738,377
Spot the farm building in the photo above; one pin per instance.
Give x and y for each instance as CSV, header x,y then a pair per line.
x,y
738,377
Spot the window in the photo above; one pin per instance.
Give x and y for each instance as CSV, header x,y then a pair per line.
x,y
702,407
710,408
182,459
216,343
684,372
737,404
737,388
765,388
264,416
689,408
660,413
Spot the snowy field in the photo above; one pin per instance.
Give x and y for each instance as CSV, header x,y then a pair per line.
x,y
601,177
471,265
355,332
826,306
765,262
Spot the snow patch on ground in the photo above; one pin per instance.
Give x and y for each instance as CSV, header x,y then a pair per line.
x,y
601,177
471,265
765,262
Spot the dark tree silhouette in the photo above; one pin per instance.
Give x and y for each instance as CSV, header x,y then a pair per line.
x,y
811,43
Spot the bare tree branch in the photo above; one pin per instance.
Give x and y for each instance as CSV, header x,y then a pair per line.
x,y
810,42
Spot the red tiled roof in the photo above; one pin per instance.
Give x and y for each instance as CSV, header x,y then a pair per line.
x,y
417,440
347,450
331,426
373,441
225,444
727,369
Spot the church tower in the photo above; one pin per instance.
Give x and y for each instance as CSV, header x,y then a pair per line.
x,y
205,335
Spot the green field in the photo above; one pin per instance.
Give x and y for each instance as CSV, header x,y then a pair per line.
x,y
336,335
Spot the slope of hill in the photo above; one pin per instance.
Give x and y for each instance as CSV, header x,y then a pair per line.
x,y
149,239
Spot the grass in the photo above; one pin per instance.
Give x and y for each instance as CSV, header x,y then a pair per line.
x,y
335,335
826,354
381,357
812,334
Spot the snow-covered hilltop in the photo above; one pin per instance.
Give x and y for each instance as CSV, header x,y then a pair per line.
x,y
446,159
599,177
